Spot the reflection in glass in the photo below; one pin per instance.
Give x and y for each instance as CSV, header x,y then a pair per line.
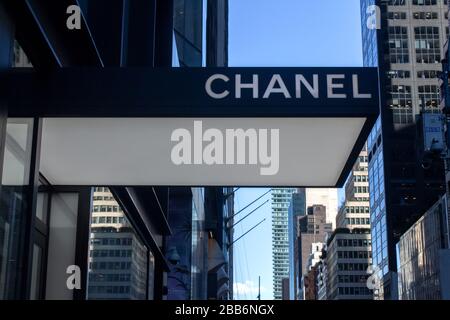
x,y
117,257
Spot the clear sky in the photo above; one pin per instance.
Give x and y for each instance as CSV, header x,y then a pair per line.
x,y
283,33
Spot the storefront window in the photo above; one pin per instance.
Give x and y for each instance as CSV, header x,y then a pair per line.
x,y
13,204
120,265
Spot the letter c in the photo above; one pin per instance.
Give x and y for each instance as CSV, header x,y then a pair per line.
x,y
208,86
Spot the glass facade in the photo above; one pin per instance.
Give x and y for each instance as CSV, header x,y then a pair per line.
x,y
378,201
199,265
281,199
297,208
188,20
409,37
418,255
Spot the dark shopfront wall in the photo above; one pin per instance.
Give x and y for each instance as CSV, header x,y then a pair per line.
x,y
40,223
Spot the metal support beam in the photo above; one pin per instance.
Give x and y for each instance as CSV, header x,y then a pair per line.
x,y
82,245
31,193
164,33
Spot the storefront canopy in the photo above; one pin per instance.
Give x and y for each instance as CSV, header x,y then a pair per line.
x,y
199,126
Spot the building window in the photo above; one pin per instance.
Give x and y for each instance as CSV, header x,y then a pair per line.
x,y
398,44
427,45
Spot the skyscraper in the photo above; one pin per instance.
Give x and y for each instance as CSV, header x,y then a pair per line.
x,y
302,200
406,44
349,247
327,197
297,209
281,198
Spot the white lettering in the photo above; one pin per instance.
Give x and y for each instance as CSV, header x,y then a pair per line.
x,y
331,86
234,146
209,90
356,93
74,20
314,89
241,137
181,152
74,280
213,153
272,160
252,85
374,18
276,80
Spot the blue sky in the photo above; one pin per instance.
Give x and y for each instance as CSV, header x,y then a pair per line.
x,y
291,33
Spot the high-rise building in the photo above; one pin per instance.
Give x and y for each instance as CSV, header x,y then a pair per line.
x,y
302,199
404,38
348,260
310,278
322,274
349,247
327,197
313,228
285,289
281,198
354,213
297,208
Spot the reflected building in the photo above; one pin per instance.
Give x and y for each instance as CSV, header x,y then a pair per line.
x,y
424,257
118,260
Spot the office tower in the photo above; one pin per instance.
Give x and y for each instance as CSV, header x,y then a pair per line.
x,y
280,201
310,278
406,45
354,213
424,257
313,228
297,208
322,275
445,107
301,200
327,197
45,225
348,260
349,247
